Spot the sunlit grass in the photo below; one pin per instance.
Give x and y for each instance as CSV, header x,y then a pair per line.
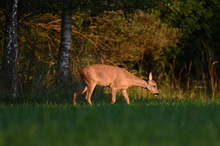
x,y
144,122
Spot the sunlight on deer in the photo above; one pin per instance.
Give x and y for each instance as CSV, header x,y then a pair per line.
x,y
114,77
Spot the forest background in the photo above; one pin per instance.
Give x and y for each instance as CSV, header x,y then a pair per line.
x,y
177,40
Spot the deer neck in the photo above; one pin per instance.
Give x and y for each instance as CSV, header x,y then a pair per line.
x,y
136,81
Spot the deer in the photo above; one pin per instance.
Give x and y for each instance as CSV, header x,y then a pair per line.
x,y
114,77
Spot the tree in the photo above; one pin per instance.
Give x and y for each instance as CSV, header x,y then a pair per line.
x,y
65,45
10,52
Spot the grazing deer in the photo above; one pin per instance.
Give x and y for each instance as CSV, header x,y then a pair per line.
x,y
114,77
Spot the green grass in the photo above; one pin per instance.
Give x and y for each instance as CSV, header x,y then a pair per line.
x,y
144,122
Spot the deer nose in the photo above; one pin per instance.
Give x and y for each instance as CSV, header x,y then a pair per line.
x,y
156,94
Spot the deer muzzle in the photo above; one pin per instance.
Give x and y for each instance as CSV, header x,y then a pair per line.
x,y
156,94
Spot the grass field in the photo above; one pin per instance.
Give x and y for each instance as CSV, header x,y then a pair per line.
x,y
145,122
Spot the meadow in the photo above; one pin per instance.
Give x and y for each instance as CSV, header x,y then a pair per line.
x,y
145,122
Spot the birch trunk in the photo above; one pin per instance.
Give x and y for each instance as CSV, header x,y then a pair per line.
x,y
10,53
64,52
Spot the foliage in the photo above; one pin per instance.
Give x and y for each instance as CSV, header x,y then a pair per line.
x,y
38,52
193,18
197,21
115,38
177,40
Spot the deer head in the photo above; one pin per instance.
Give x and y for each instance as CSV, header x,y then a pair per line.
x,y
152,86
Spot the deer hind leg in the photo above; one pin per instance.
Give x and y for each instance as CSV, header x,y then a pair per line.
x,y
90,88
81,90
125,94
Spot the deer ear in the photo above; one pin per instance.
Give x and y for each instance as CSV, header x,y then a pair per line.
x,y
150,76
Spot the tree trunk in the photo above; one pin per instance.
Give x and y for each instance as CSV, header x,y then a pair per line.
x,y
64,52
10,53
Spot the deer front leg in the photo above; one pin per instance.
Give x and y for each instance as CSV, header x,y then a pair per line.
x,y
89,92
125,94
113,95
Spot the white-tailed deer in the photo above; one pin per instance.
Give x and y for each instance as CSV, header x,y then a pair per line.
x,y
114,77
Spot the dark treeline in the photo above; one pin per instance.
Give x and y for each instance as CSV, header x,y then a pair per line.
x,y
177,40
